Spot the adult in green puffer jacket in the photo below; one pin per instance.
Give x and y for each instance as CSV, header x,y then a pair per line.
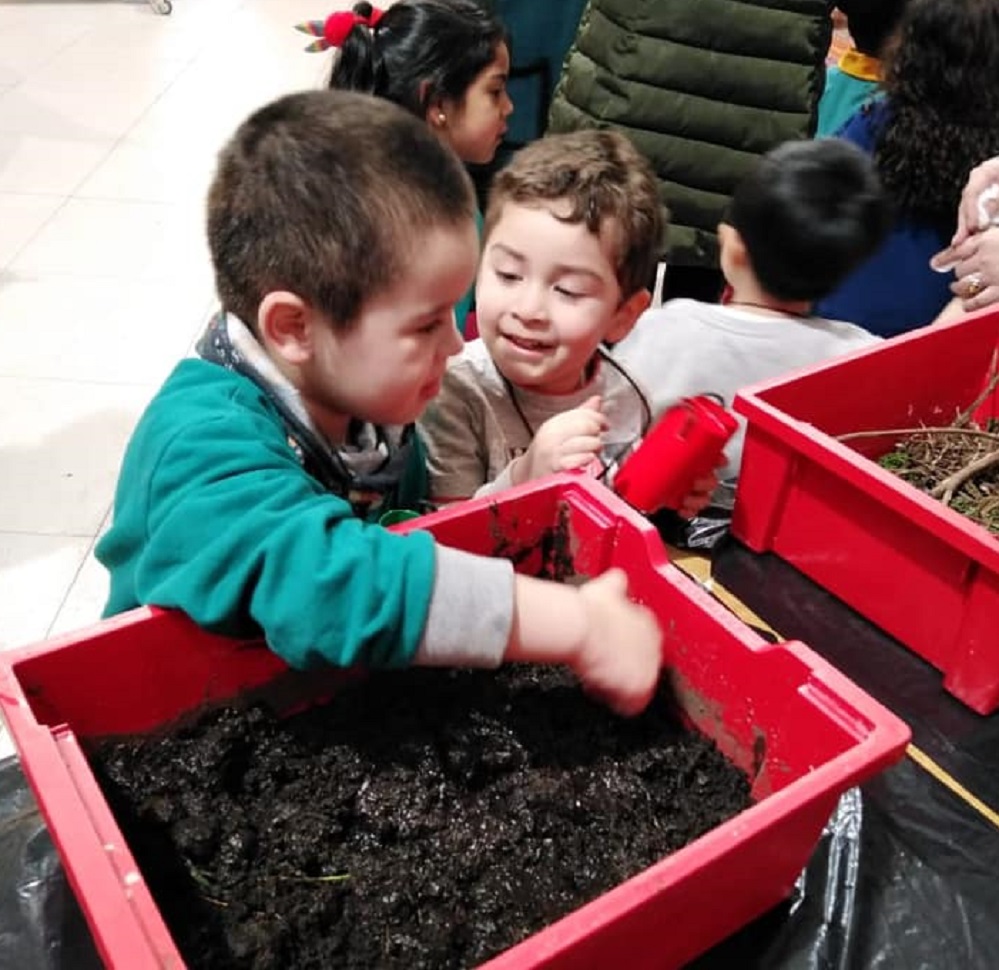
x,y
703,87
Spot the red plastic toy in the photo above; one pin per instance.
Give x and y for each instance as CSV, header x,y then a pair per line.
x,y
684,444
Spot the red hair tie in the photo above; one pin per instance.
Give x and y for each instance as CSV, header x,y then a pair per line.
x,y
333,31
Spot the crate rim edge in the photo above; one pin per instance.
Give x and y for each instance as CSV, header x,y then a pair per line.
x,y
910,336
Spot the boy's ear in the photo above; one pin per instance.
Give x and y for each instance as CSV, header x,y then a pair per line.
x,y
731,244
627,314
285,324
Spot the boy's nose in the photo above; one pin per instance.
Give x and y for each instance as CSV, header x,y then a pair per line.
x,y
531,304
507,105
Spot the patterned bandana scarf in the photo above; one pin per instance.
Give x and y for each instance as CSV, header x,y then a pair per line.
x,y
367,471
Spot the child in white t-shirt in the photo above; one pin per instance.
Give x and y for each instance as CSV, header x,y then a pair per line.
x,y
809,213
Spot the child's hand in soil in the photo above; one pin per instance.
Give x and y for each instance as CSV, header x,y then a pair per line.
x,y
621,655
565,442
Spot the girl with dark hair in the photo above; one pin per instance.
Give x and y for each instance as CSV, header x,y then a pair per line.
x,y
445,61
938,119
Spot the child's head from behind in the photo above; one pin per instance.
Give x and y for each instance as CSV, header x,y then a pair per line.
x,y
808,214
871,22
446,61
342,232
572,231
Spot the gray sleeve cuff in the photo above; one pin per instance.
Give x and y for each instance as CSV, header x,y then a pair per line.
x,y
501,481
471,611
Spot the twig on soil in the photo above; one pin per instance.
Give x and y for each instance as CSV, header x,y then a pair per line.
x,y
945,490
341,877
205,883
200,878
896,432
965,416
956,465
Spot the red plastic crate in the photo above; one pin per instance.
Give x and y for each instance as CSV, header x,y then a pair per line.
x,y
801,731
919,570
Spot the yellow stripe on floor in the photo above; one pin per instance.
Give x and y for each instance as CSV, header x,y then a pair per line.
x,y
950,782
698,567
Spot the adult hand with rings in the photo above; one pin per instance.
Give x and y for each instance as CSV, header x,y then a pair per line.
x,y
976,269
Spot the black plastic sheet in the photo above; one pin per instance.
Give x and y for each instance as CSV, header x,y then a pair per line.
x,y
903,878
886,888
41,927
905,875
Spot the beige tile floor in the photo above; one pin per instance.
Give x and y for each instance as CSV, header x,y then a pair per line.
x,y
110,116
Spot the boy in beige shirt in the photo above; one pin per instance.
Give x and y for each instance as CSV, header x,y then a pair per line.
x,y
571,236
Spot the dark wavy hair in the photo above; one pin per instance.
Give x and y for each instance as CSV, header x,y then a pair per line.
x,y
942,83
421,52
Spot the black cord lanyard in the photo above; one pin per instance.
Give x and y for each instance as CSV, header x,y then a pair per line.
x,y
643,400
772,309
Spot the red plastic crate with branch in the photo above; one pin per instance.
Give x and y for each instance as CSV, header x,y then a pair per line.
x,y
918,569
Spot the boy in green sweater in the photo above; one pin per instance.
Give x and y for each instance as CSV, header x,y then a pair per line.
x,y
342,234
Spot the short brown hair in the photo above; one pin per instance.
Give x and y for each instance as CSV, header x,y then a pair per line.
x,y
326,194
605,179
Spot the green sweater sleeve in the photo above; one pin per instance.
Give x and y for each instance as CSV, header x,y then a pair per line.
x,y
219,520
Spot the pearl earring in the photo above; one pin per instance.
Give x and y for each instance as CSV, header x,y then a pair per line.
x,y
441,117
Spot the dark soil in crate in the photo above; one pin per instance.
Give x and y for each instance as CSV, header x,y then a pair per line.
x,y
424,819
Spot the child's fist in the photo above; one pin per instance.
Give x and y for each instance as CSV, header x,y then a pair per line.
x,y
699,496
565,442
621,654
